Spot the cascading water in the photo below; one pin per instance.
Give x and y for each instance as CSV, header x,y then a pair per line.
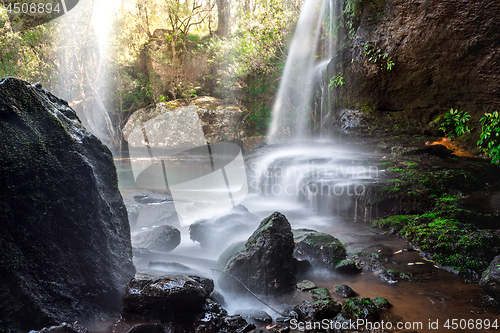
x,y
293,108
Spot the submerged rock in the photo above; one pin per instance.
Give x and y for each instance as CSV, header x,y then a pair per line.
x,y
265,266
490,280
167,297
221,230
319,248
163,238
65,252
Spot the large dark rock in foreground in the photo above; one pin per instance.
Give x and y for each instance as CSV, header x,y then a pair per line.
x,y
167,297
265,265
65,250
490,280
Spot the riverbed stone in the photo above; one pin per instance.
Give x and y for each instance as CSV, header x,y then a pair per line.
x,y
257,317
305,285
164,238
345,291
265,266
320,249
65,252
490,279
322,306
221,230
360,308
347,266
167,297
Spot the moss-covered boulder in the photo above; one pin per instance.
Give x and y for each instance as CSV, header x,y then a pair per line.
x,y
265,266
65,252
319,248
322,306
360,308
490,280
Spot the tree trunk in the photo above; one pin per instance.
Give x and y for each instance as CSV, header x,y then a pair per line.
x,y
224,13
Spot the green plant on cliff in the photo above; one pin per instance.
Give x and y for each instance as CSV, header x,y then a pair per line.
x,y
489,142
374,54
455,123
337,80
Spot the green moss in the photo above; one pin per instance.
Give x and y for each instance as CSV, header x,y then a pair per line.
x,y
320,294
360,308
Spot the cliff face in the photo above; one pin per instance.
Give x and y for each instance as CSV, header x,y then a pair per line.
x,y
65,250
446,53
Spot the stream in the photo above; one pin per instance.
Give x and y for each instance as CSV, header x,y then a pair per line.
x,y
342,168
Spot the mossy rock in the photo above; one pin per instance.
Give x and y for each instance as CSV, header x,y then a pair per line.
x,y
360,308
230,252
320,294
381,303
490,280
319,248
347,266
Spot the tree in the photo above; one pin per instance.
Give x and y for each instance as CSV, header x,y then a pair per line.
x,y
224,15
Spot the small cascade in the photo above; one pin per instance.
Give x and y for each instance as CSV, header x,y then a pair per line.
x,y
325,177
303,105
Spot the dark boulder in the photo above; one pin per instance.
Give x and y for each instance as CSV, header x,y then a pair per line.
x,y
257,317
345,291
265,266
221,230
65,252
360,308
322,307
168,297
347,266
163,238
319,248
490,280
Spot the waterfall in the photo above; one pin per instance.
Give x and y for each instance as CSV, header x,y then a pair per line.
x,y
294,107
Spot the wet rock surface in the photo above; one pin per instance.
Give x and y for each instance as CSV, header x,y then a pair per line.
x,y
265,266
345,291
257,317
318,248
163,238
167,297
322,307
223,229
490,280
65,250
360,308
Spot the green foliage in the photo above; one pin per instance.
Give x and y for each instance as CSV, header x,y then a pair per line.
x,y
455,123
374,54
352,13
337,80
489,141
